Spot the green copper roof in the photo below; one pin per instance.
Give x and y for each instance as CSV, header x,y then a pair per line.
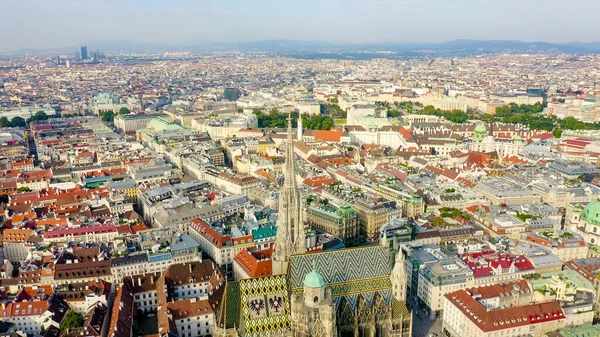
x,y
314,279
346,210
264,232
160,124
480,128
591,212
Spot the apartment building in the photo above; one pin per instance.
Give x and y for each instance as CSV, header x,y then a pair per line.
x,y
374,215
565,245
17,243
341,222
470,313
439,278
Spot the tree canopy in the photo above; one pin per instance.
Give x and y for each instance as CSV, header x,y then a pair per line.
x,y
124,111
107,116
39,116
18,122
274,119
72,320
529,115
21,122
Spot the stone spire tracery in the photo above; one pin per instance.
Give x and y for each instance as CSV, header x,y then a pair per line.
x,y
290,237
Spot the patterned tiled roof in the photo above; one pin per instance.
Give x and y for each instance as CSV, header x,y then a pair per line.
x,y
351,273
229,315
399,309
249,305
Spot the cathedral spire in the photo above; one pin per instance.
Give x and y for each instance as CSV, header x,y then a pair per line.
x,y
290,237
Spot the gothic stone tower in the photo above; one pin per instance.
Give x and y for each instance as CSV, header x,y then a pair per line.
x,y
290,237
313,312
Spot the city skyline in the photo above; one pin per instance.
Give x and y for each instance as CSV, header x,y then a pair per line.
x,y
357,21
337,168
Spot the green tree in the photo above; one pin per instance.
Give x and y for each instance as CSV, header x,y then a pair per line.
x,y
429,110
124,111
18,122
4,122
4,198
326,124
39,116
557,132
23,189
107,116
72,320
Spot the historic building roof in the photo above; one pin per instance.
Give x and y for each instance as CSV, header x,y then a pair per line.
x,y
591,212
314,279
258,306
351,273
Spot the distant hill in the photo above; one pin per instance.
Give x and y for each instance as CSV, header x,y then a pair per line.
x,y
322,48
595,46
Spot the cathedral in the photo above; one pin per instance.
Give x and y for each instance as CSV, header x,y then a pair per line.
x,y
355,292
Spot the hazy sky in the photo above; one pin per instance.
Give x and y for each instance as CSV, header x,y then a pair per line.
x,y
63,23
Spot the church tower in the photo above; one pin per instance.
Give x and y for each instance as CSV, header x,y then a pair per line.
x,y
313,312
290,237
399,278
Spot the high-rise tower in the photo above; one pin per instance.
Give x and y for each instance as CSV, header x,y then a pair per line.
x,y
290,237
83,53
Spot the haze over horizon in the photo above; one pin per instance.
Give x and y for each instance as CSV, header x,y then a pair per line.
x,y
39,24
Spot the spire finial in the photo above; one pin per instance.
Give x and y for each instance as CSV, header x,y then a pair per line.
x,y
384,239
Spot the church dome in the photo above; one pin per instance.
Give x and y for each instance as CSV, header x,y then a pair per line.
x,y
480,128
314,279
517,138
591,212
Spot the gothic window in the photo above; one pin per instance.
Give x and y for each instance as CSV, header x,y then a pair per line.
x,y
380,309
381,330
345,314
364,313
318,330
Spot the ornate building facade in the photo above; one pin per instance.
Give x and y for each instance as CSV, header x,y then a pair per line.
x,y
484,141
356,292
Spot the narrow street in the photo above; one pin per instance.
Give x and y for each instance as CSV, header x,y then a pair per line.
x,y
31,145
423,326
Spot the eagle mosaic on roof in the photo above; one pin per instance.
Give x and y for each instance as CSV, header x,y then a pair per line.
x,y
259,306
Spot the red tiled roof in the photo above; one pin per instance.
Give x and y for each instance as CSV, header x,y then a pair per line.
x,y
328,136
95,229
256,263
210,234
17,235
124,229
506,318
319,181
499,289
